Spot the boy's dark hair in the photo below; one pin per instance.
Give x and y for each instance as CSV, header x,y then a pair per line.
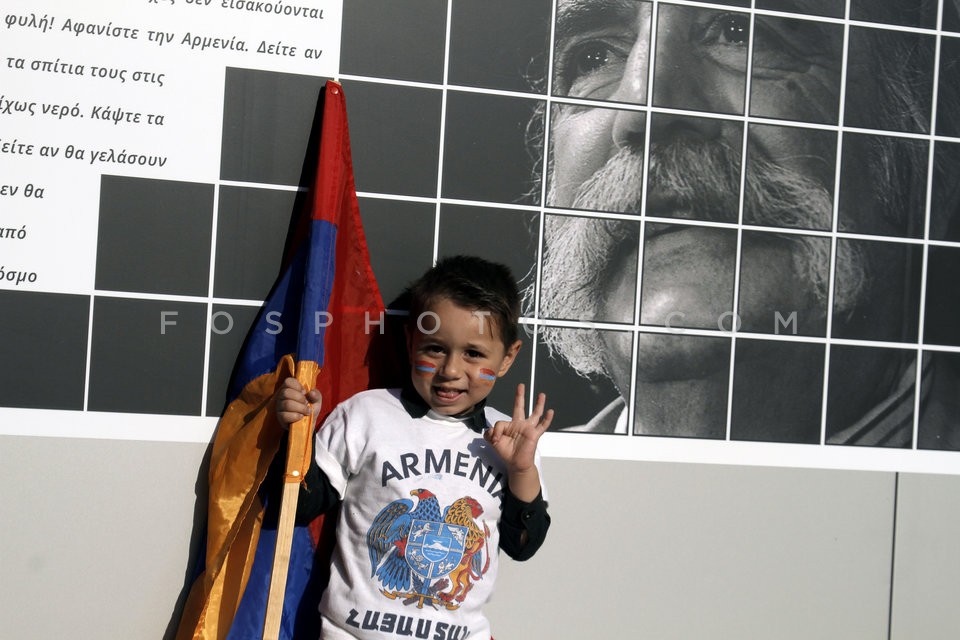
x,y
472,283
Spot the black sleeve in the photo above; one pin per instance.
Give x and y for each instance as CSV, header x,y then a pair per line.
x,y
523,525
317,495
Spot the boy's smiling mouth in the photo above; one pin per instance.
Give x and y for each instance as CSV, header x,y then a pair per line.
x,y
447,393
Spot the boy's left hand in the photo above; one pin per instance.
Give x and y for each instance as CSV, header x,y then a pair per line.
x,y
516,441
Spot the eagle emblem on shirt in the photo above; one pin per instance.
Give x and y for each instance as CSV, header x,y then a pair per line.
x,y
422,554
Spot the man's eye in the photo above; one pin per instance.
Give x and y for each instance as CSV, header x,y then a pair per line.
x,y
733,29
590,57
775,42
727,29
591,68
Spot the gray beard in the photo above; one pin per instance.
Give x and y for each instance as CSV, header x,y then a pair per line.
x,y
703,180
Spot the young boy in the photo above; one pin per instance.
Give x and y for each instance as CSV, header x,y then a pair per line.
x,y
431,480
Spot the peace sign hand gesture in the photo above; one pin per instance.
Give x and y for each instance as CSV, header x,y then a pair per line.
x,y
516,443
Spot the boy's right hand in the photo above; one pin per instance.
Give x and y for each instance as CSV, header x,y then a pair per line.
x,y
293,402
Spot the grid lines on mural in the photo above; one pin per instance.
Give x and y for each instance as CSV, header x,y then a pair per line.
x,y
794,249
167,345
723,229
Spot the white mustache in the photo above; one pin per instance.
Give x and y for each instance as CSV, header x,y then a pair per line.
x,y
703,180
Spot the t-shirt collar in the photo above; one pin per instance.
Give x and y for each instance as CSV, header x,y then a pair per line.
x,y
415,406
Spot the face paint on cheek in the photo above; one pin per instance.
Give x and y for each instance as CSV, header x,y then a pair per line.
x,y
424,368
488,375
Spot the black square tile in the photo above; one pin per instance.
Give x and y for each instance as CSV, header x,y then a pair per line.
x,y
268,118
877,290
777,391
395,137
945,196
400,238
942,308
729,3
788,43
783,283
500,44
154,236
229,326
870,396
790,176
909,13
147,356
506,236
486,154
576,399
951,16
948,89
939,424
889,80
828,8
401,39
883,185
40,334
252,228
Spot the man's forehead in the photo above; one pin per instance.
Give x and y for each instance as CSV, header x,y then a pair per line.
x,y
576,10
812,39
572,14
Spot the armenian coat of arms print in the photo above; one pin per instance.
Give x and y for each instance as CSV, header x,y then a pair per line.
x,y
421,555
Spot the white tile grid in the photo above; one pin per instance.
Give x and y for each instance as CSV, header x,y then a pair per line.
x,y
834,234
548,100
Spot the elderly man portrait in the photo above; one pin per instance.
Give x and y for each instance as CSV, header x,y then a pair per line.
x,y
738,209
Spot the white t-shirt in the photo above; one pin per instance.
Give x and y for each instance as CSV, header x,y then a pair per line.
x,y
417,540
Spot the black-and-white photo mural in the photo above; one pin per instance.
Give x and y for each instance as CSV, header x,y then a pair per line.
x,y
739,204
745,214
736,225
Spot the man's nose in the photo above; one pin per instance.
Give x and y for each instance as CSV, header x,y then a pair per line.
x,y
629,125
681,81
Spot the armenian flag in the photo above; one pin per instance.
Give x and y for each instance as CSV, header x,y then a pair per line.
x,y
316,325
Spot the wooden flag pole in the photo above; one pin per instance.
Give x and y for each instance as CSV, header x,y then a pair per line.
x,y
299,451
281,561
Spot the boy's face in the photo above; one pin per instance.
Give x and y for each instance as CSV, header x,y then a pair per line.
x,y
456,356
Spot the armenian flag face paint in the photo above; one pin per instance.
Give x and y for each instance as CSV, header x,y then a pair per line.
x,y
424,368
487,375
